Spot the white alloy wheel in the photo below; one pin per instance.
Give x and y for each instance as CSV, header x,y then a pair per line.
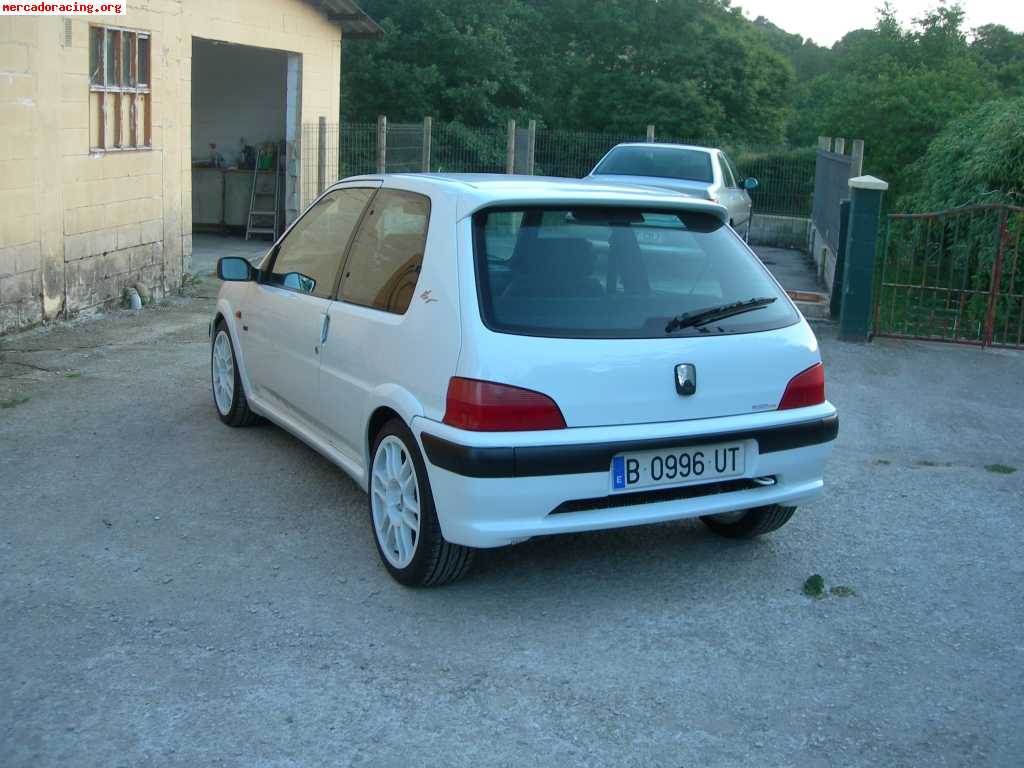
x,y
223,373
395,501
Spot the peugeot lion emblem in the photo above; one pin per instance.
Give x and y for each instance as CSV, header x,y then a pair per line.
x,y
686,379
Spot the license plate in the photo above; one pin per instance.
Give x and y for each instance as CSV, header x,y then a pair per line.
x,y
676,466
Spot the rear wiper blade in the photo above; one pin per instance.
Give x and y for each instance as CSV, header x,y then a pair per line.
x,y
700,317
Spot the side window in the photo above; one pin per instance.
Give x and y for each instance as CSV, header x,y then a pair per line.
x,y
727,172
308,258
384,263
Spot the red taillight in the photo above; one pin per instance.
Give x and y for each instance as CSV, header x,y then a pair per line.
x,y
806,388
484,406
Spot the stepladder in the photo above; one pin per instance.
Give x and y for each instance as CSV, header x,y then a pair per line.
x,y
265,195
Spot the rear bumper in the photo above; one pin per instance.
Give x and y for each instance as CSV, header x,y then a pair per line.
x,y
574,459
492,489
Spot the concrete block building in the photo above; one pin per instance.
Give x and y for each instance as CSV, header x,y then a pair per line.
x,y
105,121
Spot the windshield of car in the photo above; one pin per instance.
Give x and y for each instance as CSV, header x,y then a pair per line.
x,y
658,162
587,272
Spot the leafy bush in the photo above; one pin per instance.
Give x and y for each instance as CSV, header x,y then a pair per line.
x,y
977,158
785,178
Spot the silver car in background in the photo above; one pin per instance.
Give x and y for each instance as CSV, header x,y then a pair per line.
x,y
702,172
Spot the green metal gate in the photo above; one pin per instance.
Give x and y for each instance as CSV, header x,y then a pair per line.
x,y
955,275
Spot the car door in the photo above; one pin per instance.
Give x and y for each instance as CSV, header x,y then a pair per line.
x,y
283,324
378,282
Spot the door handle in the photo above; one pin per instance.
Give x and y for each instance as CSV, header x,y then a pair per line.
x,y
325,327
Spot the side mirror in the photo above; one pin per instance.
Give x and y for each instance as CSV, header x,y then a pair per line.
x,y
234,269
750,184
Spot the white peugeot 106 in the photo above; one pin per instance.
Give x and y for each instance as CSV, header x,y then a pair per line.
x,y
494,358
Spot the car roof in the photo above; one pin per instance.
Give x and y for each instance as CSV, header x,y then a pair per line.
x,y
694,147
481,190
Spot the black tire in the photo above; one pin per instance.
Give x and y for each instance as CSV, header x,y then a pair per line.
x,y
239,414
753,522
435,561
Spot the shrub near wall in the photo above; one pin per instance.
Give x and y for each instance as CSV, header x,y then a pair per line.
x,y
978,158
785,178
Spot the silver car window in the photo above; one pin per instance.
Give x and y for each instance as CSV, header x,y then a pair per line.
x,y
727,171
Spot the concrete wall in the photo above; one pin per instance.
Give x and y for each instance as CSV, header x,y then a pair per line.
x,y
77,227
824,258
780,231
238,92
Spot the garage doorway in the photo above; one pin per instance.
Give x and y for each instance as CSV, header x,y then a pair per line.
x,y
245,120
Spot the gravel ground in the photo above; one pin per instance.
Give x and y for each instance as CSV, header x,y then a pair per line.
x,y
177,593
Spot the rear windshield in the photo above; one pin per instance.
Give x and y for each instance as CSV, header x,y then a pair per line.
x,y
659,162
616,273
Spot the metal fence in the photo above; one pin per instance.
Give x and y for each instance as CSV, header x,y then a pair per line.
x,y
318,159
955,275
832,171
404,147
573,154
786,176
456,148
358,150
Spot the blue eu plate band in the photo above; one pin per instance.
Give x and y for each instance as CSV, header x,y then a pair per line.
x,y
619,472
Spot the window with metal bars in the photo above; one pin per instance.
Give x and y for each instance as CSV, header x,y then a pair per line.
x,y
120,96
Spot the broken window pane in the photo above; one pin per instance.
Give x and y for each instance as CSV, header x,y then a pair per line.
x,y
95,56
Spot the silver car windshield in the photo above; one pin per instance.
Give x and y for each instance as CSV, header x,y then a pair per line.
x,y
658,162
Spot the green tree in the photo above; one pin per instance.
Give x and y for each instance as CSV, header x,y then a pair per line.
x,y
977,158
807,57
693,67
1002,51
896,88
452,59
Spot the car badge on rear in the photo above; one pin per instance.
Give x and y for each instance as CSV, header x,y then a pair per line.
x,y
686,379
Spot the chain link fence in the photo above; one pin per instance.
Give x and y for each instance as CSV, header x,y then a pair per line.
x,y
783,199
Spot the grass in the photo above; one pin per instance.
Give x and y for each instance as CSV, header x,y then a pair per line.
x,y
13,402
815,586
1000,469
930,463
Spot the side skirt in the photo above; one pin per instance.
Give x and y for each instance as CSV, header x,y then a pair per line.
x,y
317,442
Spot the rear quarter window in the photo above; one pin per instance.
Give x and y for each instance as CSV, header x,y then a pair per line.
x,y
384,262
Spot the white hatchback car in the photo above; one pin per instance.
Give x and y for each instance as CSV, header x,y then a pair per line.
x,y
494,358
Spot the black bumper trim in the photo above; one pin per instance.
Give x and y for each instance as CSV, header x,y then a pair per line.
x,y
542,460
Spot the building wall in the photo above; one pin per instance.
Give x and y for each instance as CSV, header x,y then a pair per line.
x,y
77,227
